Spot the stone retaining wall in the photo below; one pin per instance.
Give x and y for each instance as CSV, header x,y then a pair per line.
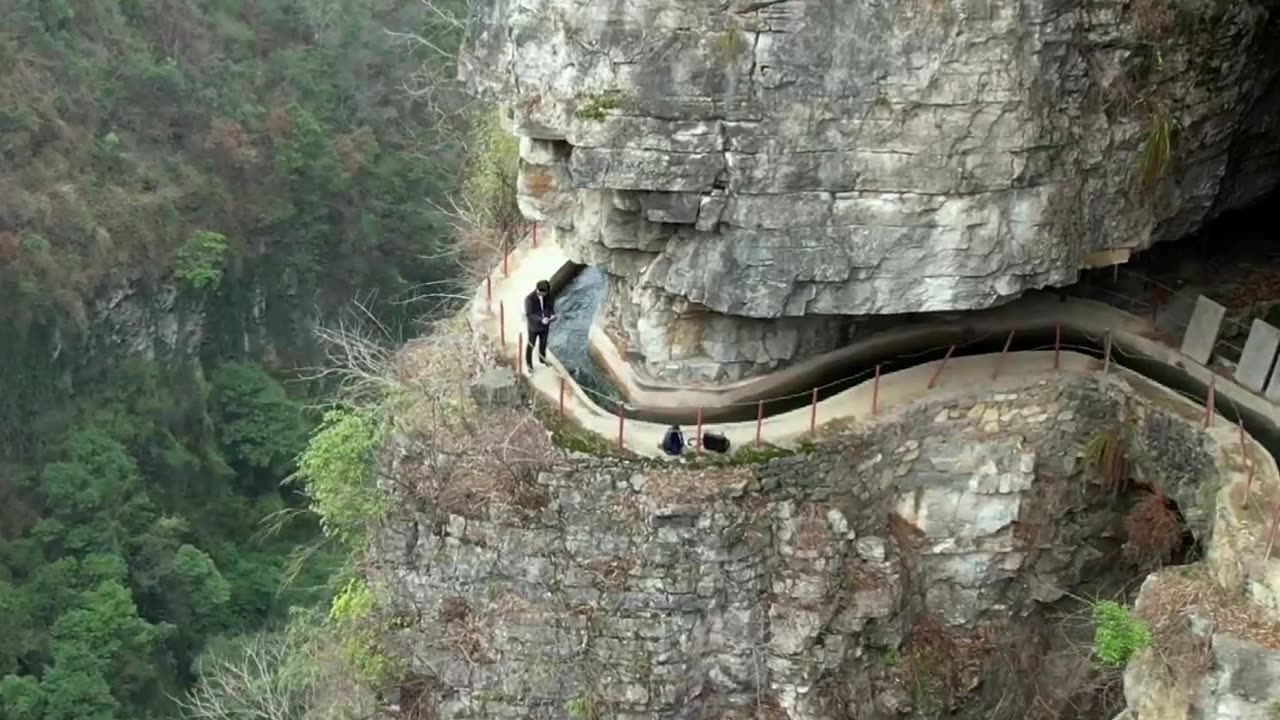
x,y
646,590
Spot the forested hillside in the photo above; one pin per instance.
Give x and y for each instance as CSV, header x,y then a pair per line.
x,y
186,188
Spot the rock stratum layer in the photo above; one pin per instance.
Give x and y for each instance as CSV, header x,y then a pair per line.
x,y
737,165
822,586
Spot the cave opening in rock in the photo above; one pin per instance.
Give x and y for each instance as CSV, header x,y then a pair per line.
x,y
1062,675
577,303
1234,260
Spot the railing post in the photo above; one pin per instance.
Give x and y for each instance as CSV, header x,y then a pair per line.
x,y
1271,536
1244,450
535,236
1208,404
622,418
813,414
1057,344
506,269
520,354
1248,484
502,324
875,393
699,437
995,371
937,373
759,420
562,384
488,293
1106,353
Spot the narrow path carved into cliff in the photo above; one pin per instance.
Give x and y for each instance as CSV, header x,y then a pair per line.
x,y
853,402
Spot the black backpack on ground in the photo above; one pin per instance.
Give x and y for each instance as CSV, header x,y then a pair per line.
x,y
715,442
673,441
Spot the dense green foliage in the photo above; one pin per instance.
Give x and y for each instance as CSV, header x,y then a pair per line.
x,y
186,187
338,471
133,544
268,143
1117,634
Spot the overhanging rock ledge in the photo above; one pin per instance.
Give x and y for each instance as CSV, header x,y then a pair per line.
x,y
760,177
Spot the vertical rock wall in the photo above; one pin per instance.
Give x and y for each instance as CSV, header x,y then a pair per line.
x,y
739,166
653,591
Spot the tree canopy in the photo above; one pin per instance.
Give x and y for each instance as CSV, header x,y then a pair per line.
x,y
187,187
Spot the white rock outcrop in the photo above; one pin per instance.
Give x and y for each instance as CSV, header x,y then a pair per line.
x,y
736,165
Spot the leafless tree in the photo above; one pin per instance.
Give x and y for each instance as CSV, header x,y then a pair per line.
x,y
294,674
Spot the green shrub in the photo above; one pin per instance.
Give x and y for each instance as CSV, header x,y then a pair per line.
x,y
200,260
337,470
1157,150
354,616
596,107
1117,634
582,707
489,175
34,243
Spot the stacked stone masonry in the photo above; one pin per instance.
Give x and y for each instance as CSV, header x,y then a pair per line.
x,y
737,165
643,590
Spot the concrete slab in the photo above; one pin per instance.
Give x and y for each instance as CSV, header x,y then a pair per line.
x,y
1202,331
1273,389
1258,356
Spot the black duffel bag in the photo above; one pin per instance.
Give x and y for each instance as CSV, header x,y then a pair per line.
x,y
715,442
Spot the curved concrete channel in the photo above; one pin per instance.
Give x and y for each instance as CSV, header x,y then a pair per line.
x,y
907,356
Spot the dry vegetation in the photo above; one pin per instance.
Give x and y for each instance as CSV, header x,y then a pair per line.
x,y
1155,19
939,666
674,484
456,455
449,454
1178,595
1105,455
468,632
812,532
1153,532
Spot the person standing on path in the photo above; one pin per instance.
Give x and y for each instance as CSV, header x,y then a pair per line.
x,y
539,311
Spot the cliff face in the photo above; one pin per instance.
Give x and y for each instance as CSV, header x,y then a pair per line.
x,y
900,568
738,165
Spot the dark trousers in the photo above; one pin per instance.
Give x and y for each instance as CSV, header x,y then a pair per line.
x,y
538,336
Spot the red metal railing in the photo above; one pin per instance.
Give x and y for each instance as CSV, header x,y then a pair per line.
x,y
1209,400
941,366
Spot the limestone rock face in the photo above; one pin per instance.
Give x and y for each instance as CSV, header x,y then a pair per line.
x,y
766,160
1237,680
145,321
965,508
644,591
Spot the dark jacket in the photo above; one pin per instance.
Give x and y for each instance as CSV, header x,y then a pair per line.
x,y
673,441
533,314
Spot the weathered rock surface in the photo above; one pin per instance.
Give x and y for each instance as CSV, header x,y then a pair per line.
x,y
795,158
1239,679
146,320
497,387
640,591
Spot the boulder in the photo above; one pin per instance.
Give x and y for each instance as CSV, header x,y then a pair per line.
x,y
497,387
